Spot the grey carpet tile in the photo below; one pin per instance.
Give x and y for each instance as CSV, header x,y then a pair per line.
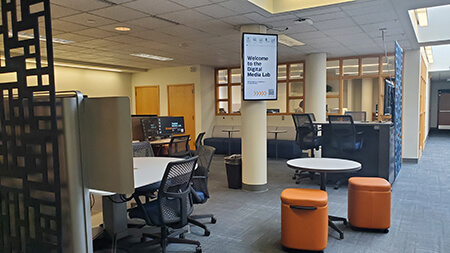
x,y
250,222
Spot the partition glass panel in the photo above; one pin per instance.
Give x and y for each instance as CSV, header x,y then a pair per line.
x,y
370,66
236,75
332,105
236,99
296,71
332,87
350,67
332,68
222,76
223,107
282,71
294,105
388,65
295,88
278,106
222,92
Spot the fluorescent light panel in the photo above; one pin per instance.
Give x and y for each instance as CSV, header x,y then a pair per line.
x,y
41,37
288,41
422,16
153,57
429,54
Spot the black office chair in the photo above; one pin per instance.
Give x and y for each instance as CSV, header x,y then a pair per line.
x,y
179,146
198,142
172,207
357,115
142,149
306,138
343,135
200,192
344,138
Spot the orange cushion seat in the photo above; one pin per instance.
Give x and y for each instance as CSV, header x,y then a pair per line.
x,y
304,219
369,202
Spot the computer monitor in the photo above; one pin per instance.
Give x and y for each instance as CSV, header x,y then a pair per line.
x,y
136,126
170,125
388,97
162,126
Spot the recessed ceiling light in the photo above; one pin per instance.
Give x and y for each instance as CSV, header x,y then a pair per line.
x,y
288,41
153,57
122,29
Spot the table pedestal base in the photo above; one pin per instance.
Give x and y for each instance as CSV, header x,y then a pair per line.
x,y
333,226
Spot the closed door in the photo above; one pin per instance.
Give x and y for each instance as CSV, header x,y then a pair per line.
x,y
444,109
181,102
147,100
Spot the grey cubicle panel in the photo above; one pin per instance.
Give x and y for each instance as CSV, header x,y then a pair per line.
x,y
106,148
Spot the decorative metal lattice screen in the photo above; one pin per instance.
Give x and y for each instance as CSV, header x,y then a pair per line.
x,y
30,197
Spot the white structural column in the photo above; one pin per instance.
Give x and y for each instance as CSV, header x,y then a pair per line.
x,y
315,85
254,136
367,97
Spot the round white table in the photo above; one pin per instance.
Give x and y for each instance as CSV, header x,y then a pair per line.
x,y
324,166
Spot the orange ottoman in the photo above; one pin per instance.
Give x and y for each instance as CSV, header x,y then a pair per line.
x,y
369,203
304,219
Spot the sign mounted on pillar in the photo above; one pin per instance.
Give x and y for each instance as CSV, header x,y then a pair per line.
x,y
259,66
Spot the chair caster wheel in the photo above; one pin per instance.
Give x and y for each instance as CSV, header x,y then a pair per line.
x,y
181,236
213,220
143,239
207,233
294,177
341,236
386,231
345,222
198,249
297,182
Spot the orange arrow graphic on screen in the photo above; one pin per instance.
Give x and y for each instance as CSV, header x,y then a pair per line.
x,y
259,93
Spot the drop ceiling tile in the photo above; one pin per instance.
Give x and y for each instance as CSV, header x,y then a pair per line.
x,y
60,11
296,29
154,7
256,17
308,35
74,37
336,23
328,16
239,7
215,11
391,27
150,23
191,3
81,5
317,11
124,39
119,13
67,26
82,19
215,27
377,17
343,31
237,20
367,7
187,16
96,33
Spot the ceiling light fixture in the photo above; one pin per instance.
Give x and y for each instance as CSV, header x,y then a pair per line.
x,y
422,16
153,57
429,54
41,37
288,41
122,29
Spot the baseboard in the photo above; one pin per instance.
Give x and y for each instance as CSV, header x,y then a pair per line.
x,y
254,188
410,160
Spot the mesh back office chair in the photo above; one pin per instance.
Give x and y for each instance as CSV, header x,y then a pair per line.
x,y
198,142
172,207
200,192
179,146
142,149
306,138
344,138
357,115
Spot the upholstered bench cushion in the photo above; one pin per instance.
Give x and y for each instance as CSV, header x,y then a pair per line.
x,y
304,197
369,184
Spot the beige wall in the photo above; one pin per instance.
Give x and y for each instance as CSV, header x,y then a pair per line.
x,y
93,83
201,76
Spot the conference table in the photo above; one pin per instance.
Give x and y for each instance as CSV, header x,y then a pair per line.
x,y
147,171
324,166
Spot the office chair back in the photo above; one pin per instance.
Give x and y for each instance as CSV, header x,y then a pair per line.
x,y
306,134
179,146
142,149
200,180
357,115
343,133
174,197
199,140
